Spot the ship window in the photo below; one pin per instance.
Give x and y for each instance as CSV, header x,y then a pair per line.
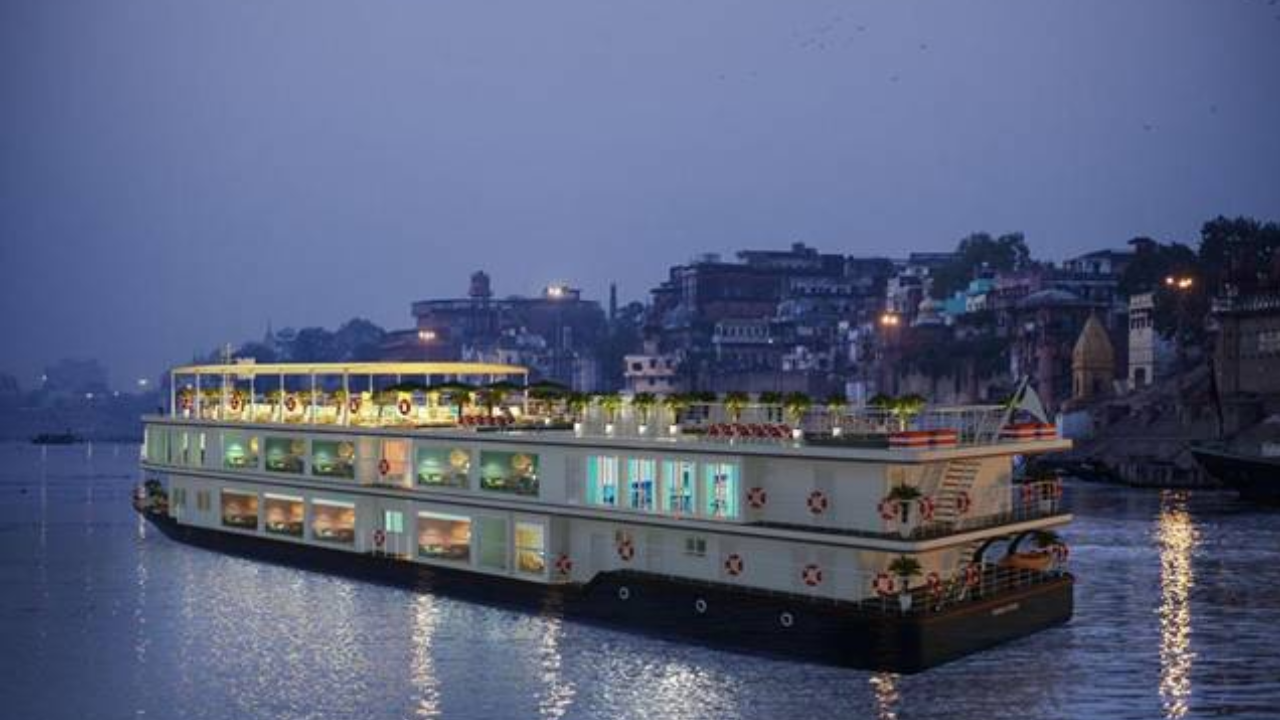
x,y
333,458
678,498
531,548
642,476
444,537
284,515
240,510
721,490
447,467
393,521
239,451
509,472
695,546
602,480
333,521
285,454
157,445
492,542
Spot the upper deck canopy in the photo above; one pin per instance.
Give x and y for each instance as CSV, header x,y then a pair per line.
x,y
245,370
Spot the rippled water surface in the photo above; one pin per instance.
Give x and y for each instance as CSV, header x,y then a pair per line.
x,y
1178,615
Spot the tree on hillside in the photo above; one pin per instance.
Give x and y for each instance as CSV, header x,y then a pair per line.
x,y
977,251
1239,252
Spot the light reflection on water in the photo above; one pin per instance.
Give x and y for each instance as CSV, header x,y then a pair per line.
x,y
1178,616
1176,534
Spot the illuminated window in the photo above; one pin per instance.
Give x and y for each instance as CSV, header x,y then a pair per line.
x,y
239,451
284,515
333,521
393,521
602,480
333,458
642,479
509,472
285,454
445,467
240,510
678,498
720,492
531,550
444,537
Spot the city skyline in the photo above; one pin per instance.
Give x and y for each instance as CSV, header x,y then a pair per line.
x,y
156,179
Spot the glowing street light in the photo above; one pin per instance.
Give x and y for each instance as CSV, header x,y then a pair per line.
x,y
890,319
1179,282
426,335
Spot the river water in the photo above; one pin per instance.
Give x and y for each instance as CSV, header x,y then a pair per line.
x,y
1178,615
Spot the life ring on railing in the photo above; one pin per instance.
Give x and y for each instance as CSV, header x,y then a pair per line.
x,y
384,466
757,497
379,537
1055,490
185,403
817,502
404,406
926,508
811,575
883,584
354,404
564,565
626,550
733,565
291,403
933,581
1028,493
888,509
972,575
963,502
235,403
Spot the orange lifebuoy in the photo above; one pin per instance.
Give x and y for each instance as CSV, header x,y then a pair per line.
x,y
404,406
817,502
384,466
933,581
291,403
733,565
888,509
883,584
235,403
626,550
757,497
379,537
564,565
972,575
926,508
963,502
811,575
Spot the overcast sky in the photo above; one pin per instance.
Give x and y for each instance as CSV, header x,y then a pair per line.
x,y
174,174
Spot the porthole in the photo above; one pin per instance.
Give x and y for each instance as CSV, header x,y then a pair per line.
x,y
624,593
700,605
786,619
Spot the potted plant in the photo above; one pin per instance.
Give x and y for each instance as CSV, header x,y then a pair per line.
x,y
577,403
796,405
734,402
904,495
610,403
770,401
906,408
836,403
905,567
675,403
644,403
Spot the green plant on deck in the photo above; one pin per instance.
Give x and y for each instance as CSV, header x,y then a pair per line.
x,y
905,567
734,402
577,404
644,403
836,403
796,405
610,403
904,493
675,403
769,397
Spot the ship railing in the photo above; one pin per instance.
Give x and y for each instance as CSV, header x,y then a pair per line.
x,y
987,581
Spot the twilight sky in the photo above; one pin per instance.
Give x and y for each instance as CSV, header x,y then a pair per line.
x,y
174,174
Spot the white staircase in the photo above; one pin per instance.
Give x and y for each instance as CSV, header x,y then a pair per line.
x,y
957,478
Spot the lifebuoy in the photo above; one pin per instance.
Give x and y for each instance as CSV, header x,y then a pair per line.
x,y
185,403
235,403
926,508
883,584
1055,490
384,466
963,502
972,575
626,550
404,406
291,403
564,565
817,502
354,404
1028,493
811,575
757,497
733,565
379,537
1060,552
888,509
933,581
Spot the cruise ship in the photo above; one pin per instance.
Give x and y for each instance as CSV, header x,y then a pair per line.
x,y
890,538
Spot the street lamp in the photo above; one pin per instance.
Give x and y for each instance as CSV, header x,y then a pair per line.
x,y
426,335
890,320
1181,283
